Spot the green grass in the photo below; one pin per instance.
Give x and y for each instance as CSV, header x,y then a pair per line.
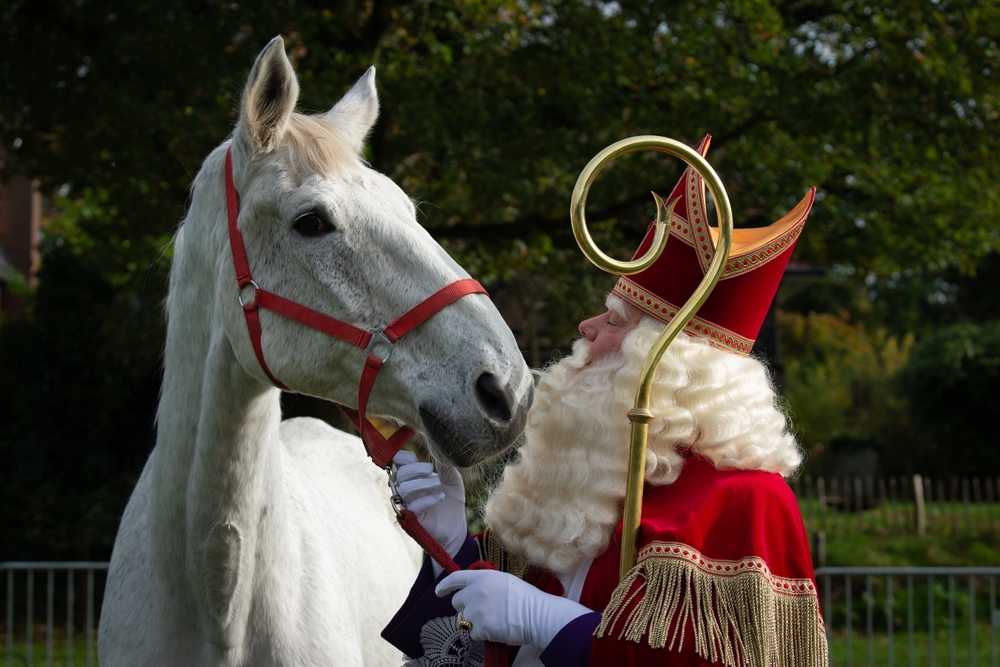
x,y
885,536
966,549
901,654
18,658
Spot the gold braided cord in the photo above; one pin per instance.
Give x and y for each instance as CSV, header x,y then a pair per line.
x,y
740,613
505,561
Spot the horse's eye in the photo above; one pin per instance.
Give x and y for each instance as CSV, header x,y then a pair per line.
x,y
311,224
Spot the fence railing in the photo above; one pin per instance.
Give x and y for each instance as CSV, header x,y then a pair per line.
x,y
874,615
910,616
21,607
916,504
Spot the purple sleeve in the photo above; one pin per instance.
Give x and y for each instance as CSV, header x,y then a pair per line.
x,y
571,646
422,604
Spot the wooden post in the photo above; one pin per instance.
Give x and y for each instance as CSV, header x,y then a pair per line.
x,y
928,494
966,503
918,499
819,549
894,500
858,502
977,498
821,498
834,488
989,503
942,508
884,495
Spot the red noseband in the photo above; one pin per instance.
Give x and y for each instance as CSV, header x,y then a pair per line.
x,y
378,344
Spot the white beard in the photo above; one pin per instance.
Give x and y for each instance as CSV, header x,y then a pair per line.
x,y
560,503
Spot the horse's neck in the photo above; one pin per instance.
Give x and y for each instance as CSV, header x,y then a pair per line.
x,y
216,471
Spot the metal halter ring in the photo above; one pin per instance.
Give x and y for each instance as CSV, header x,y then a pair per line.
x,y
379,341
253,300
462,623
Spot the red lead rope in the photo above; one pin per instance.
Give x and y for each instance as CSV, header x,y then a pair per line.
x,y
380,449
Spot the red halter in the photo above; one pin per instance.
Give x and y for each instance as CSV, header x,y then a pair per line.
x,y
378,344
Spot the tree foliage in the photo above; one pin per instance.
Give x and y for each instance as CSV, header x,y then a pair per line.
x,y
839,384
490,108
952,381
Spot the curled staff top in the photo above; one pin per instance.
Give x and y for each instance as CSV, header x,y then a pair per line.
x,y
578,202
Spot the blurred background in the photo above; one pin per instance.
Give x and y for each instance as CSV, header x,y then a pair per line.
x,y
884,339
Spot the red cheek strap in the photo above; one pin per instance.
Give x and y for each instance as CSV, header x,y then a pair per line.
x,y
378,343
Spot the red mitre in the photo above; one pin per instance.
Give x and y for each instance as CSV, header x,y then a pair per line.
x,y
734,312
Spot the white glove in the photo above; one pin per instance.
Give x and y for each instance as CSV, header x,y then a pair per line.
x,y
504,609
437,498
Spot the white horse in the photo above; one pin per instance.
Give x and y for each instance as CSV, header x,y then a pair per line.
x,y
251,541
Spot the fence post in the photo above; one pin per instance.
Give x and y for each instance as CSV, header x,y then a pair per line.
x,y
884,496
977,503
834,488
918,500
966,502
858,499
819,549
989,503
894,498
821,499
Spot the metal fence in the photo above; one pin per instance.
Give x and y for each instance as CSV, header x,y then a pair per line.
x,y
911,616
19,579
926,616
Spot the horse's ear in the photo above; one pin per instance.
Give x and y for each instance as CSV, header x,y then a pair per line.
x,y
268,98
356,113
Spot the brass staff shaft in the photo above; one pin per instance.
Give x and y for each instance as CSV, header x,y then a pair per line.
x,y
640,416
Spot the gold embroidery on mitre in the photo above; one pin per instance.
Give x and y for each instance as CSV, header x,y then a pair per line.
x,y
665,311
752,247
741,614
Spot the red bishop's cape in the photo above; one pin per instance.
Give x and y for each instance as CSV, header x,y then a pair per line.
x,y
724,577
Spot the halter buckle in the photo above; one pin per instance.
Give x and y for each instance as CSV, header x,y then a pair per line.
x,y
381,341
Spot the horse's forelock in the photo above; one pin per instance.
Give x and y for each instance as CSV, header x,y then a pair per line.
x,y
315,147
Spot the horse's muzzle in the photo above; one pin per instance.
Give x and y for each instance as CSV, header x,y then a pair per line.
x,y
464,440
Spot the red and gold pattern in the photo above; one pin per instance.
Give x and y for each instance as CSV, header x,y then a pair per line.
x,y
733,314
717,336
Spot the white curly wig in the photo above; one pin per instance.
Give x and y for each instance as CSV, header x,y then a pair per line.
x,y
560,502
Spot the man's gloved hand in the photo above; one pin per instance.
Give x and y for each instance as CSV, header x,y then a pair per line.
x,y
437,498
504,609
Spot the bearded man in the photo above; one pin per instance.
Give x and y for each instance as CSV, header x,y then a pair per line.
x,y
723,575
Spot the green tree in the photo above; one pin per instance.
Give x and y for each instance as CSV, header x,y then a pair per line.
x,y
490,110
952,381
840,387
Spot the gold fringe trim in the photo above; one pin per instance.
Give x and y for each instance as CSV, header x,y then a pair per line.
x,y
741,614
503,559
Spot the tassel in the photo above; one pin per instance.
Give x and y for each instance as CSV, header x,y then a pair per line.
x,y
740,614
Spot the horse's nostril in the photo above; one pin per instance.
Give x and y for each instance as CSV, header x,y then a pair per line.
x,y
494,398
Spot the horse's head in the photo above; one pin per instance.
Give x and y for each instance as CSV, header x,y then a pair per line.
x,y
324,230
